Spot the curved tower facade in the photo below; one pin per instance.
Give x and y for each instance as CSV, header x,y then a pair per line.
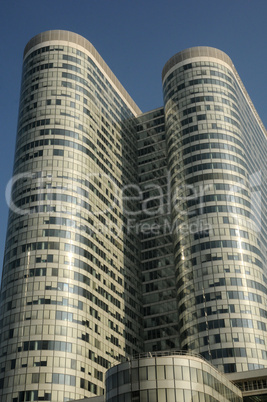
x,y
166,377
70,301
131,232
216,149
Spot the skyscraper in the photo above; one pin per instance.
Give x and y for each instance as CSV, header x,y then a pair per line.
x,y
130,232
71,290
216,158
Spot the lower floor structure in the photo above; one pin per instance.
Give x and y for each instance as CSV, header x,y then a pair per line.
x,y
179,377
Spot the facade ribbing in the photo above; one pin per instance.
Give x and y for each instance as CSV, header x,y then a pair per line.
x,y
71,289
216,166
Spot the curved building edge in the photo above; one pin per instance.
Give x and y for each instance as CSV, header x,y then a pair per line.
x,y
211,52
170,377
71,37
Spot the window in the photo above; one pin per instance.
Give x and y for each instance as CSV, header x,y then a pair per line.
x,y
261,325
35,377
58,152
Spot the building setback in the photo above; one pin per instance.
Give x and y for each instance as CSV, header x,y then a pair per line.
x,y
130,231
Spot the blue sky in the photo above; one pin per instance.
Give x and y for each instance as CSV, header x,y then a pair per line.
x,y
135,38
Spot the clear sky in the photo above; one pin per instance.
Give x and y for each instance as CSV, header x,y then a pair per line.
x,y
135,38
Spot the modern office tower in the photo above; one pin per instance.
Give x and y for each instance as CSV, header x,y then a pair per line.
x,y
106,200
217,162
71,290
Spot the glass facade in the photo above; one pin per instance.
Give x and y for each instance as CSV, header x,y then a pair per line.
x,y
154,228
216,149
132,232
173,378
71,294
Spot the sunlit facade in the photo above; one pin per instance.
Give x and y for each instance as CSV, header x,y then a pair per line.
x,y
163,377
132,232
71,289
217,164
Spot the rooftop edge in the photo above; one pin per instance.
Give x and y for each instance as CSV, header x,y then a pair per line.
x,y
68,36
